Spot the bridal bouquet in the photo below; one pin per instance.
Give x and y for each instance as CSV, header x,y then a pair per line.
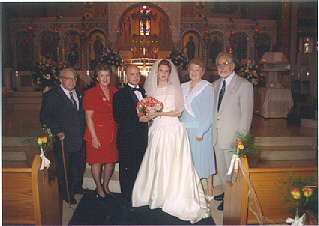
x,y
148,106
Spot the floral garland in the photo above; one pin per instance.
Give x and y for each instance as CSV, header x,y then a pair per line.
x,y
178,59
46,73
251,72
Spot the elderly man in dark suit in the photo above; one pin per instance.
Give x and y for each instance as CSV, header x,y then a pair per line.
x,y
132,131
233,112
62,112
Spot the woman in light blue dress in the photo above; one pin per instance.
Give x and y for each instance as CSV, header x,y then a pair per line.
x,y
198,117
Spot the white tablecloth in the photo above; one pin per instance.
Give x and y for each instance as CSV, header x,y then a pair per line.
x,y
275,103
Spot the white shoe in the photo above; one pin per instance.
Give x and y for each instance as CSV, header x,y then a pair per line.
x,y
209,198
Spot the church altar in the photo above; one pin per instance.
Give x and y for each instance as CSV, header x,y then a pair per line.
x,y
273,103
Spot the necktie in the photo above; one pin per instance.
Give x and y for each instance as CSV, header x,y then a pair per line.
x,y
221,94
73,100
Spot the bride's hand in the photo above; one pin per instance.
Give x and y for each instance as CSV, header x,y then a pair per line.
x,y
146,118
157,114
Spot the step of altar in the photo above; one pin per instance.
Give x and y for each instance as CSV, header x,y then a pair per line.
x,y
309,123
286,141
27,94
24,100
288,153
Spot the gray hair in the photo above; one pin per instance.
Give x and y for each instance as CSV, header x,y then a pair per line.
x,y
67,69
231,57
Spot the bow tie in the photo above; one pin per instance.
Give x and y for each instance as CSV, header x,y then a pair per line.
x,y
137,89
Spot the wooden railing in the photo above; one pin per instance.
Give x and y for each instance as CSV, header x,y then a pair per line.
x,y
28,197
265,182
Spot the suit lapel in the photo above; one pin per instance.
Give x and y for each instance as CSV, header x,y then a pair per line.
x,y
80,98
131,92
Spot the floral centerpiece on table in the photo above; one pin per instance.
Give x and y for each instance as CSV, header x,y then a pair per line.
x,y
42,143
297,193
46,74
148,106
178,59
251,72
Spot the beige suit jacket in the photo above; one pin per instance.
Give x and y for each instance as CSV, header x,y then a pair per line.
x,y
235,112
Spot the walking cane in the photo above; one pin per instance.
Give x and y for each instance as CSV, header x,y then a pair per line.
x,y
65,174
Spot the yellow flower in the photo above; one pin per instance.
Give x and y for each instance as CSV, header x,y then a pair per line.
x,y
295,193
240,146
242,69
307,192
44,139
39,141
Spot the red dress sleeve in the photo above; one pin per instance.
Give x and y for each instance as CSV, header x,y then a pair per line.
x,y
88,100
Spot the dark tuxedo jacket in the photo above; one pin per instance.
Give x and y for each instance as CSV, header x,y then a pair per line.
x,y
60,115
131,134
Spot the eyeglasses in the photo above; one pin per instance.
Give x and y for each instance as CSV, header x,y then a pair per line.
x,y
225,64
70,78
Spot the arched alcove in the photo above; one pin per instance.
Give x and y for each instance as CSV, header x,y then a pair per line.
x,y
144,30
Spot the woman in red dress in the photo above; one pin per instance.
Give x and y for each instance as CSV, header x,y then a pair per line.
x,y
100,134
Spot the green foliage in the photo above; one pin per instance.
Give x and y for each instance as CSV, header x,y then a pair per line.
x,y
33,141
247,140
290,181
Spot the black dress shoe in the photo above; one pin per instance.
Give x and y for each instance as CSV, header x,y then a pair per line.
x,y
80,191
219,197
221,206
73,201
109,194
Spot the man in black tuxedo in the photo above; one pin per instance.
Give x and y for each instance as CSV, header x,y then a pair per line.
x,y
132,131
62,112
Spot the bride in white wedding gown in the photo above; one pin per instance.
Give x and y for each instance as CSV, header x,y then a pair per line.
x,y
167,178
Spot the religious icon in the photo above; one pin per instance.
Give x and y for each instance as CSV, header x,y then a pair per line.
x,y
215,46
240,47
98,48
49,46
190,46
23,52
72,48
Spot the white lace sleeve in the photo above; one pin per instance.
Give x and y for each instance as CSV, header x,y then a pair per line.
x,y
179,100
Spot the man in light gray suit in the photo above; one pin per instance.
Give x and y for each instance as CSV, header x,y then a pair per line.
x,y
233,112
